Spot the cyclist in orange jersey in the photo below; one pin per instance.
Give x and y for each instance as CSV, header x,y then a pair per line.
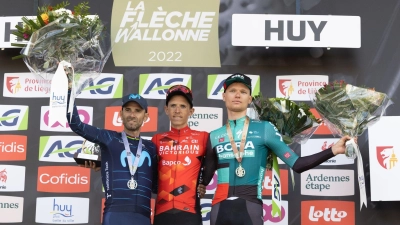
x,y
180,153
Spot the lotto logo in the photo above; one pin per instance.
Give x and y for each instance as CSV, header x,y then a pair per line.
x,y
327,212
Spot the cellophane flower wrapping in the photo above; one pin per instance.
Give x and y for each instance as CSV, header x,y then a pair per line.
x,y
349,110
294,121
76,38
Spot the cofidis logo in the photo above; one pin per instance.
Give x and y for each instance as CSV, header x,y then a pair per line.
x,y
62,210
155,85
113,120
85,114
215,85
11,209
13,117
63,179
59,148
13,147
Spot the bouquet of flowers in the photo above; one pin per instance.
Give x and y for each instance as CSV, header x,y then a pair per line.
x,y
64,45
295,123
350,110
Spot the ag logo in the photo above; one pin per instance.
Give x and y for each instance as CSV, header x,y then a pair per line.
x,y
155,85
106,86
13,117
215,85
59,148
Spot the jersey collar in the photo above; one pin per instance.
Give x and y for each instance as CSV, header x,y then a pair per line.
x,y
178,131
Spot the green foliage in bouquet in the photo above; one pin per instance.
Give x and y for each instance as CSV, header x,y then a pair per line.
x,y
73,25
293,121
349,109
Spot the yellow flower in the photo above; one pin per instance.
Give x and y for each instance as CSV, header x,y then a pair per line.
x,y
45,18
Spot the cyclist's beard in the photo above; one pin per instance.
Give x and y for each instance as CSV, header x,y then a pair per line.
x,y
132,124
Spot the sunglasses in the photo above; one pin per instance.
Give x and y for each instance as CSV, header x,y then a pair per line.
x,y
181,88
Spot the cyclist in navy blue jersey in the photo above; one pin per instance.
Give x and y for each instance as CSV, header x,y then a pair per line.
x,y
128,164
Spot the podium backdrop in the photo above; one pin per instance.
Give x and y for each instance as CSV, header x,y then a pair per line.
x,y
40,183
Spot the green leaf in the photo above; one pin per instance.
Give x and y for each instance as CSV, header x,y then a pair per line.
x,y
39,18
17,57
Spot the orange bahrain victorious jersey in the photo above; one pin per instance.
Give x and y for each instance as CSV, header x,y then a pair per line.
x,y
181,153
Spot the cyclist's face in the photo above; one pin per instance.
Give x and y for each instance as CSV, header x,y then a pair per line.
x,y
178,110
133,116
237,97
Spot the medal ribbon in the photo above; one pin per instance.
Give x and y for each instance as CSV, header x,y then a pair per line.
x,y
238,154
132,168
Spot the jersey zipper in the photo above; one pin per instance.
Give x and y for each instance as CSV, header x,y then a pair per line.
x,y
234,175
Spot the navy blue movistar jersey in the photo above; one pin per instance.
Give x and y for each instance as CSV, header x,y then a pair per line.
x,y
115,168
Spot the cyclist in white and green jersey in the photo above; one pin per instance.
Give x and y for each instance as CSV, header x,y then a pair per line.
x,y
237,199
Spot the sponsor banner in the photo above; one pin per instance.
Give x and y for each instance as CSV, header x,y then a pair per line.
x,y
11,209
85,114
62,210
267,184
215,85
155,85
113,120
323,212
313,146
323,129
205,205
106,86
299,87
29,85
267,210
296,30
7,26
13,117
13,147
327,182
59,148
159,33
12,178
206,119
384,153
63,179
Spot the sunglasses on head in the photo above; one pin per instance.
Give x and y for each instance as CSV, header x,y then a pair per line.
x,y
181,88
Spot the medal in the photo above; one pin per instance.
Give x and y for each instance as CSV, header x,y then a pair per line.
x,y
240,172
239,154
132,184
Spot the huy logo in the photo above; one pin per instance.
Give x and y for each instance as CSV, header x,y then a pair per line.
x,y
12,147
267,184
106,86
11,209
327,212
13,117
113,120
13,84
215,85
85,114
267,213
63,179
62,210
386,156
58,99
59,148
12,178
155,85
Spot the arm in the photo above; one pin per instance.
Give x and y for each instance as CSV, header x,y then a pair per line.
x,y
90,133
308,162
210,164
154,164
